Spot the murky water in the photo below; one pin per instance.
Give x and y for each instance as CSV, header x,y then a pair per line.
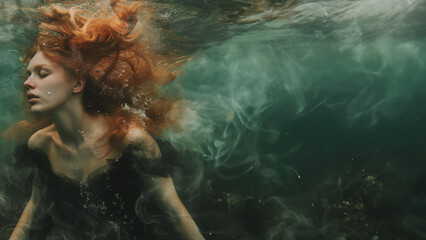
x,y
307,123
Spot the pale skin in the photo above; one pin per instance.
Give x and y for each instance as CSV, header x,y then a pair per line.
x,y
77,138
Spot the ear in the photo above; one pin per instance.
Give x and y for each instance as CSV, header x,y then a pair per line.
x,y
79,85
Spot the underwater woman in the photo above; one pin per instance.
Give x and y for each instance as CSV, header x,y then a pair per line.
x,y
93,91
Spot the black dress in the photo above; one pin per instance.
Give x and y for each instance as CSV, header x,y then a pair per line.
x,y
114,202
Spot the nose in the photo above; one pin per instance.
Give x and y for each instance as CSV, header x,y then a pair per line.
x,y
29,84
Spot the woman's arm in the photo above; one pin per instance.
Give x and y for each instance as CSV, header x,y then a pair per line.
x,y
165,192
21,230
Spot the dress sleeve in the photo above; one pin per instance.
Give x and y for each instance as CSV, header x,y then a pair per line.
x,y
25,157
162,166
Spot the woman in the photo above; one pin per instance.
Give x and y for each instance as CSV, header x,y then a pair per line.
x,y
93,91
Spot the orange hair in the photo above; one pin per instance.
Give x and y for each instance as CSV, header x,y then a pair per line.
x,y
114,52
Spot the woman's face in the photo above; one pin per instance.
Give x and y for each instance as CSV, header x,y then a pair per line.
x,y
49,85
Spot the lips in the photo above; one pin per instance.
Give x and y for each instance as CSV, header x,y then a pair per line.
x,y
32,97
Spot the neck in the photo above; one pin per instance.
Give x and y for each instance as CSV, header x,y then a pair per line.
x,y
74,124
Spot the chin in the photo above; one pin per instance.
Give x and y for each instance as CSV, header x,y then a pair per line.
x,y
37,109
43,109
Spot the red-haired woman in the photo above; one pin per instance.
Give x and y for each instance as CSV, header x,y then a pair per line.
x,y
93,95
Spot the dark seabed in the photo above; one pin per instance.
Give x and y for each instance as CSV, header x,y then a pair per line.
x,y
304,120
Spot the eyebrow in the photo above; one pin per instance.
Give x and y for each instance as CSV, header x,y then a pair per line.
x,y
36,67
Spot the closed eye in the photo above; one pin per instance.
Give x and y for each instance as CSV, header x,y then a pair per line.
x,y
43,73
40,70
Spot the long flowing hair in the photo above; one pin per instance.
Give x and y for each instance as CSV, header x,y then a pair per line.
x,y
117,52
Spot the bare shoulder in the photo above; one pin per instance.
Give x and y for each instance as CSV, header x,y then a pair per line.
x,y
41,138
142,139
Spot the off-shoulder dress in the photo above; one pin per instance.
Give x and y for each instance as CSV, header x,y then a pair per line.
x,y
114,202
